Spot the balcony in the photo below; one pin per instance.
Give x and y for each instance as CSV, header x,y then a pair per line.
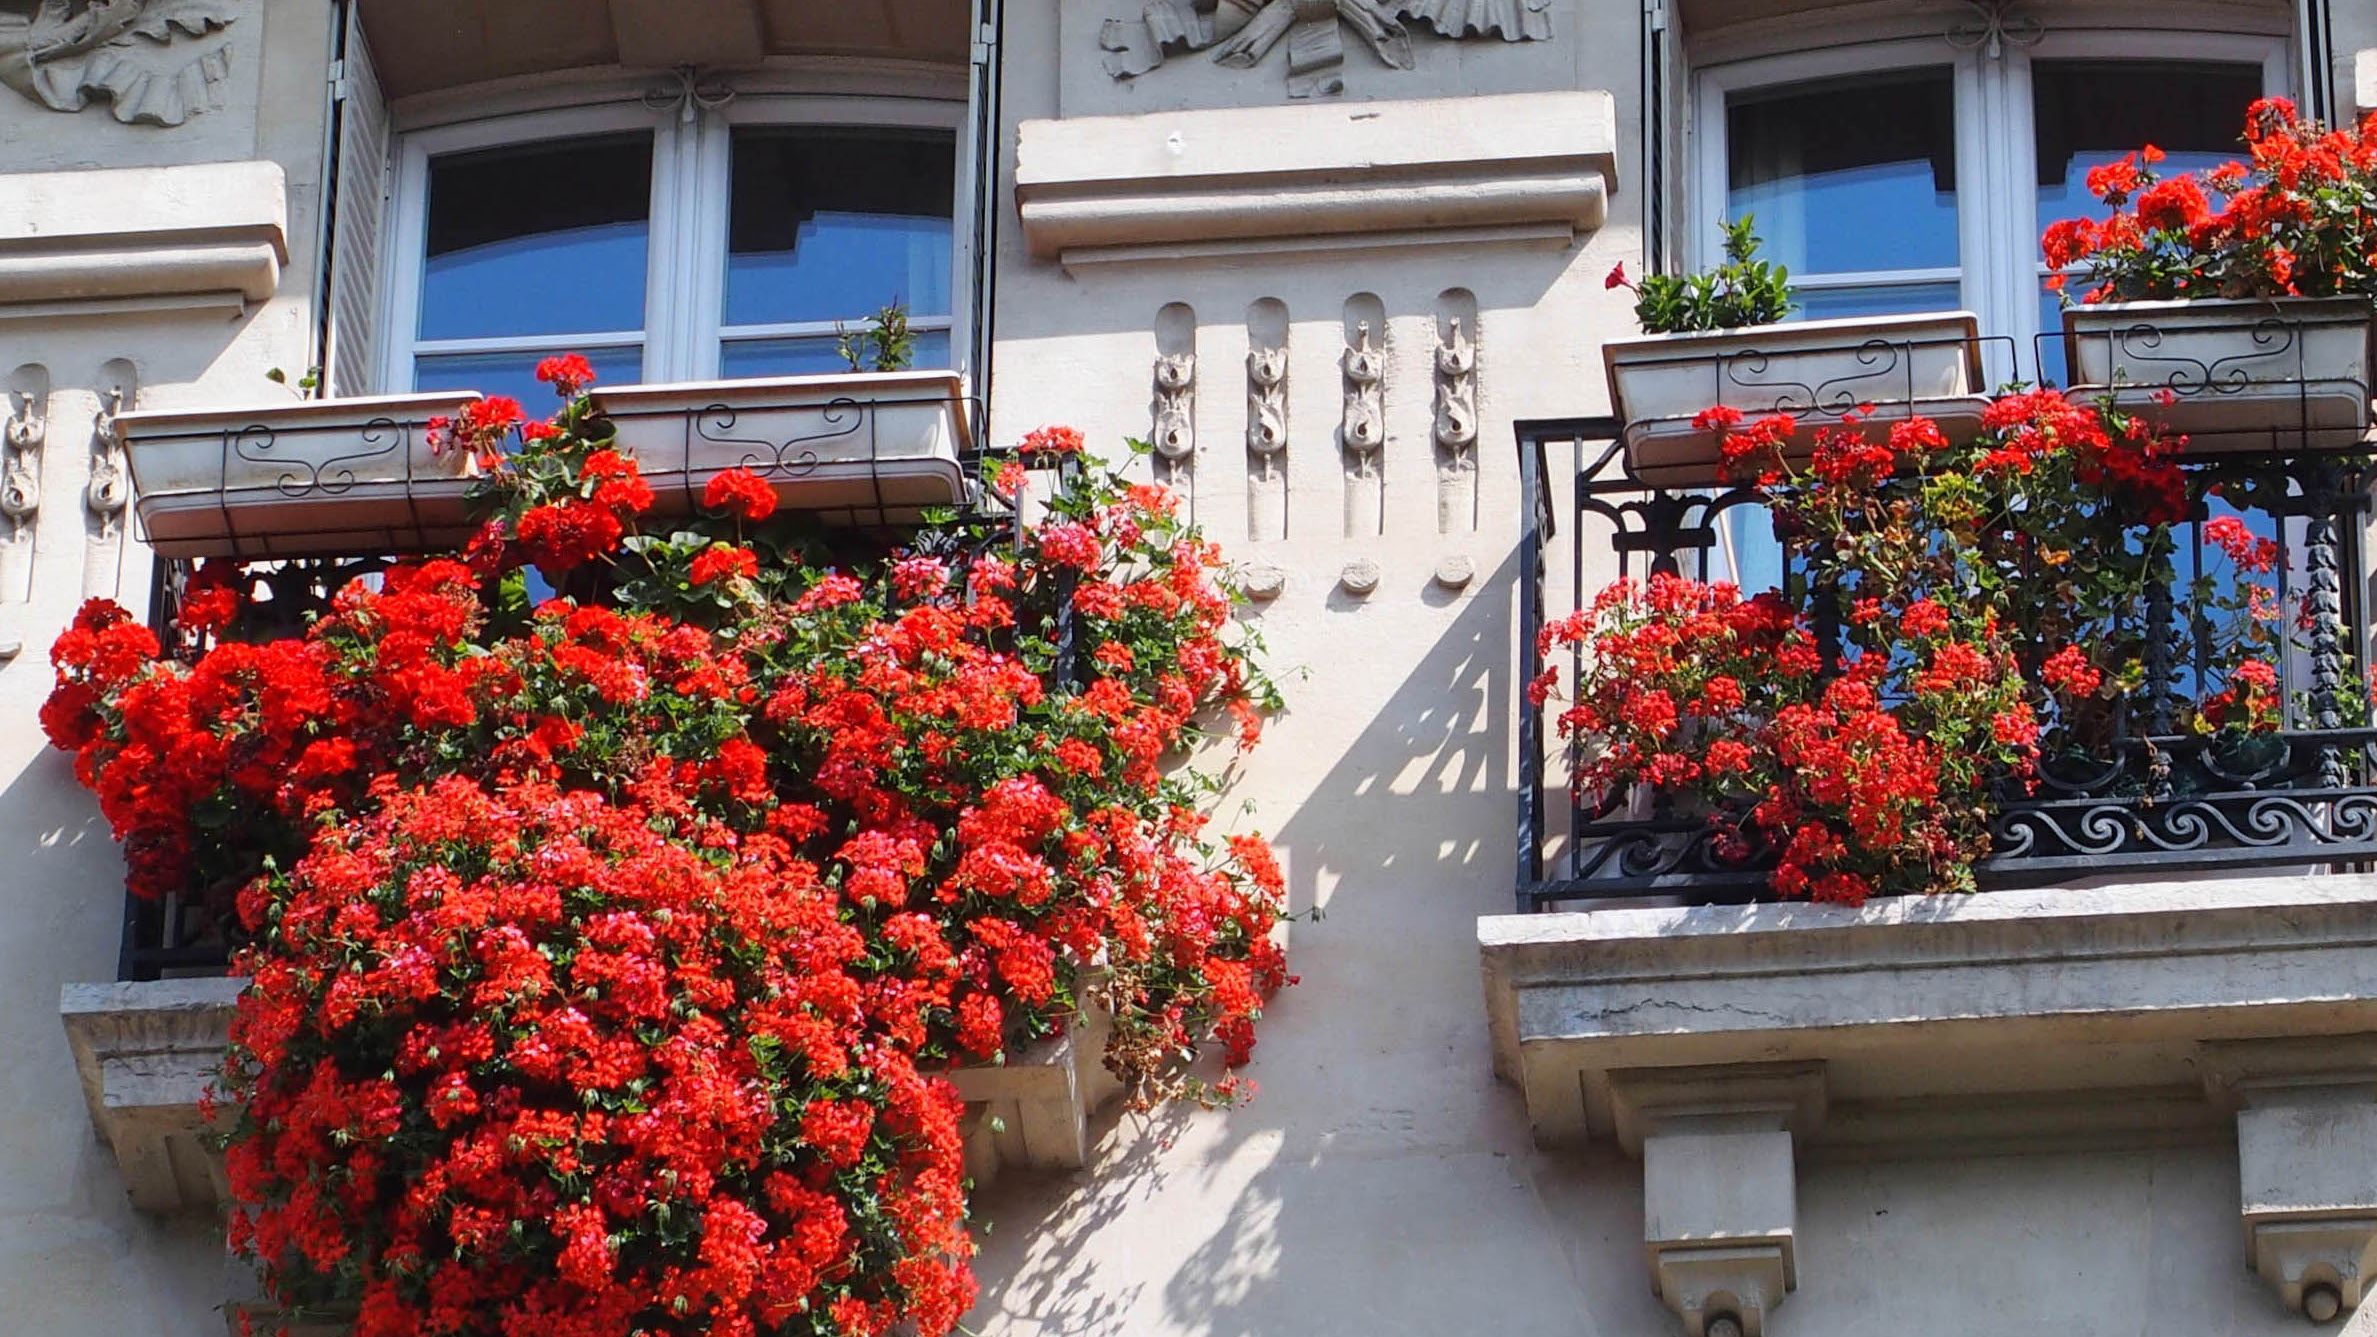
x,y
2274,406
2174,940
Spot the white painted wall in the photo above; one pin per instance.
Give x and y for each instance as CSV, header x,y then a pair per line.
x,y
74,1258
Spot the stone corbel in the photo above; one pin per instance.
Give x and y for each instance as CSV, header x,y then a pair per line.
x,y
1720,1191
147,1054
2307,1161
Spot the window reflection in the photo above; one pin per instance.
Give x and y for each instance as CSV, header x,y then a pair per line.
x,y
832,225
1848,176
542,239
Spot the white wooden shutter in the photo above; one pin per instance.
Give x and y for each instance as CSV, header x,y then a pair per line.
x,y
978,202
359,220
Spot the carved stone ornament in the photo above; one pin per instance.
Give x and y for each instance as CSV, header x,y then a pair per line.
x,y
1365,424
1241,33
1456,392
145,58
1267,401
1175,405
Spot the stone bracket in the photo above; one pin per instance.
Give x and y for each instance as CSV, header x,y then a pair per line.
x,y
147,1054
1720,1187
2307,1163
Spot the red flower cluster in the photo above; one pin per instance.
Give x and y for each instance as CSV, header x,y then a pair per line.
x,y
612,951
740,493
1721,705
2290,220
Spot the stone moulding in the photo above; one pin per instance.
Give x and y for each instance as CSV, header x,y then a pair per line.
x,y
1520,167
2246,1007
203,236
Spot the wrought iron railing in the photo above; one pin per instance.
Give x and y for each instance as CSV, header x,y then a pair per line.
x,y
2150,797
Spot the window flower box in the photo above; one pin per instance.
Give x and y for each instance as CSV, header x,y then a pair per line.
x,y
868,448
296,479
1926,364
2288,374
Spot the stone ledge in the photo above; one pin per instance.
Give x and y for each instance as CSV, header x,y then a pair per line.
x,y
207,235
2035,995
1522,167
146,1054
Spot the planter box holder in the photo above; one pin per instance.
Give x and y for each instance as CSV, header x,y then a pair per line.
x,y
872,448
305,478
1927,364
2288,376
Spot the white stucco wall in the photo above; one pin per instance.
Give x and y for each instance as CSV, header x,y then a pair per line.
x,y
74,1257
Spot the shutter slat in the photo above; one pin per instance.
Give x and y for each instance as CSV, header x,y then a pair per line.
x,y
361,199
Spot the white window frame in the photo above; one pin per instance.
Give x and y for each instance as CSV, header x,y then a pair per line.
x,y
685,269
2000,268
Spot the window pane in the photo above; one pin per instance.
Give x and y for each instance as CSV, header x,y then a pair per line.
x,y
742,359
1886,299
1851,175
2092,112
832,224
514,374
542,239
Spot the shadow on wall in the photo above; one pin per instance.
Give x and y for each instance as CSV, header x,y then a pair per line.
x,y
1381,1182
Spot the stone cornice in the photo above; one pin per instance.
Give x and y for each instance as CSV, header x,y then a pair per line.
x,y
1531,167
166,238
2070,991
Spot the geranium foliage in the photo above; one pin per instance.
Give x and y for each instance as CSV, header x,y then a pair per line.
x,y
605,949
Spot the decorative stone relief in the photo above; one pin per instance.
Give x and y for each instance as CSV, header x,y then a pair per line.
x,y
1242,32
1456,413
108,489
21,440
1174,432
1362,432
1267,420
147,59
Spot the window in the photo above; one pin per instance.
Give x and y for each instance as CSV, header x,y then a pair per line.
x,y
1912,176
1907,176
1789,166
826,226
738,243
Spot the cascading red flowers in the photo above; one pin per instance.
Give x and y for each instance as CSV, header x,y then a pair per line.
x,y
604,952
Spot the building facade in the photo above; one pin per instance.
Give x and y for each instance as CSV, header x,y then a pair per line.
x,y
1329,260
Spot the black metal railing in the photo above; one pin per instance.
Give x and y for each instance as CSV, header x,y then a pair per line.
x,y
2148,795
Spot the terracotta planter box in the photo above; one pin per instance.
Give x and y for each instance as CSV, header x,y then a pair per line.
x,y
873,448
1927,364
296,479
2284,375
